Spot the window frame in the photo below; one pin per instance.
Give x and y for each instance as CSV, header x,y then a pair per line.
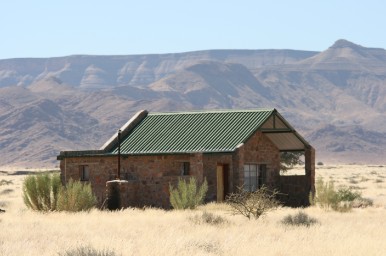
x,y
254,176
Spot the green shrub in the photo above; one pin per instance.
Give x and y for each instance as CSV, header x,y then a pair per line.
x,y
76,196
341,200
347,194
299,219
326,196
87,251
209,218
187,195
253,204
40,192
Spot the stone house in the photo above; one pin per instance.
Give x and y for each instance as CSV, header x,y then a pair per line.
x,y
229,149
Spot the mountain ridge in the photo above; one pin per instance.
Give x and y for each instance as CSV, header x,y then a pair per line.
x,y
77,102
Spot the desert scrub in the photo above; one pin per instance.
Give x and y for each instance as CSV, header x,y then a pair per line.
x,y
208,218
76,196
298,219
327,197
5,182
6,191
188,195
362,202
253,204
45,192
40,192
87,251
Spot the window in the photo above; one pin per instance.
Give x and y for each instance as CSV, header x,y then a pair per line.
x,y
254,176
185,166
84,173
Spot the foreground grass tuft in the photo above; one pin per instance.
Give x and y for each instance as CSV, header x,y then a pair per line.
x,y
299,219
209,218
87,251
5,182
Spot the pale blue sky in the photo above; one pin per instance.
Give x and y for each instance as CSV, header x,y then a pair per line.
x,y
64,27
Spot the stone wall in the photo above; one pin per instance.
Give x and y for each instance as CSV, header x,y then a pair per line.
x,y
102,169
294,190
259,150
149,176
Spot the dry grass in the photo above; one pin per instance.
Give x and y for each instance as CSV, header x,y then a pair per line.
x,y
159,232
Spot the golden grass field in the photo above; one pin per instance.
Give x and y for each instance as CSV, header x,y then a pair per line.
x,y
160,232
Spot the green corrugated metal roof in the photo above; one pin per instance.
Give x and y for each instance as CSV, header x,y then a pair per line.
x,y
188,132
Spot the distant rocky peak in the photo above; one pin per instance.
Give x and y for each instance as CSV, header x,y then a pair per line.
x,y
342,43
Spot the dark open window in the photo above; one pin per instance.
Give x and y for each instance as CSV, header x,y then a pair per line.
x,y
185,168
84,173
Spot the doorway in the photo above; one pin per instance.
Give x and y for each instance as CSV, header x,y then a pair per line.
x,y
222,182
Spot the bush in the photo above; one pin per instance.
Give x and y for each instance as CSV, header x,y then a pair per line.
x,y
342,200
187,195
346,194
253,204
209,218
362,202
299,219
40,192
5,182
320,163
87,251
76,196
6,191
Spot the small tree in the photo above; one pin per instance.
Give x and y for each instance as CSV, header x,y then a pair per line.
x,y
40,192
253,204
76,196
187,195
289,159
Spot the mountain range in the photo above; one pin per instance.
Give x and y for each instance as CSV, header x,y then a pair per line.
x,y
335,98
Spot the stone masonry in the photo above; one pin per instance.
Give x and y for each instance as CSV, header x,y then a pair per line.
x,y
149,176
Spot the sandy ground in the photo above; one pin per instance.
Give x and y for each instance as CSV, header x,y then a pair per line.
x,y
160,232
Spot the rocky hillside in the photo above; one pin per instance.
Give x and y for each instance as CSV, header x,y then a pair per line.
x,y
335,98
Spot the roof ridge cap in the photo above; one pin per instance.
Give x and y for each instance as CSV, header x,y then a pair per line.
x,y
213,111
